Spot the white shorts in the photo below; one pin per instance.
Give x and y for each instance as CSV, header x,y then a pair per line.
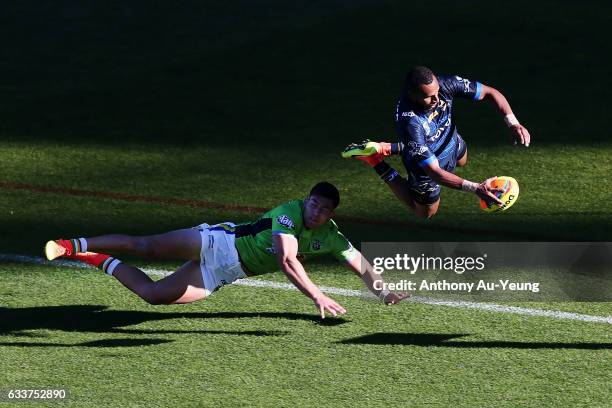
x,y
219,261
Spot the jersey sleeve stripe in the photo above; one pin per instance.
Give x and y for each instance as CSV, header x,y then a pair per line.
x,y
478,91
350,254
427,161
282,232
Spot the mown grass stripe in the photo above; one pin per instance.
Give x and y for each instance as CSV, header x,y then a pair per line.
x,y
9,185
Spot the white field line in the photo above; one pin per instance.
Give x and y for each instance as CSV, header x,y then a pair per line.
x,y
553,314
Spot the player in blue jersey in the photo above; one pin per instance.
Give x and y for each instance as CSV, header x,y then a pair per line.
x,y
430,146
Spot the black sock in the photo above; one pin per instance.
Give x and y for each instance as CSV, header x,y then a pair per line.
x,y
386,172
382,168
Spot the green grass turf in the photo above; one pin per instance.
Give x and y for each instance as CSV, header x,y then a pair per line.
x,y
80,330
249,103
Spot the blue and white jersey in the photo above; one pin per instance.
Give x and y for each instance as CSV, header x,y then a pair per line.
x,y
432,135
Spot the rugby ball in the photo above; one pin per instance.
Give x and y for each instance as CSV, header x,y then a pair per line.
x,y
508,196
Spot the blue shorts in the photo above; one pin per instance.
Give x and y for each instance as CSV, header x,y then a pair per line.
x,y
423,189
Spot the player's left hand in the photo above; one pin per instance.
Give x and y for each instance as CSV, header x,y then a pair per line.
x,y
395,298
520,135
327,304
489,193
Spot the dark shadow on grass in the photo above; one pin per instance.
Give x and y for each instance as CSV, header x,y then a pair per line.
x,y
256,333
95,343
96,319
141,342
440,340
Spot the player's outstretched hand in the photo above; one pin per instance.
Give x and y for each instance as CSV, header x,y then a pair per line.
x,y
395,298
326,304
487,192
520,135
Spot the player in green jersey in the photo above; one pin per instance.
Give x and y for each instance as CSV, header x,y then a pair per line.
x,y
219,254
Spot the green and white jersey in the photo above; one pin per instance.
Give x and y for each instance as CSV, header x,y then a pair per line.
x,y
254,240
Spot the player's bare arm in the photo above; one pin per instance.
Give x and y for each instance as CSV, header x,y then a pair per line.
x,y
483,190
286,247
362,268
519,133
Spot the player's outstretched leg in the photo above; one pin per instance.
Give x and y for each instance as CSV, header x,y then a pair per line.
x,y
180,244
397,184
426,210
401,188
183,286
370,148
62,247
373,154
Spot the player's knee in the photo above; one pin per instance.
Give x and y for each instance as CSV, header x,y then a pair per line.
x,y
153,297
463,160
426,214
152,301
146,247
158,301
426,211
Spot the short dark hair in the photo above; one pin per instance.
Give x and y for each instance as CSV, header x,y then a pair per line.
x,y
327,190
418,76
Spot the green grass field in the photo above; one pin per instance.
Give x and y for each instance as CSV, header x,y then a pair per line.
x,y
265,347
111,109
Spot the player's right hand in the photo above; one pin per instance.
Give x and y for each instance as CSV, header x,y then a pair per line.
x,y
394,298
326,304
488,193
520,135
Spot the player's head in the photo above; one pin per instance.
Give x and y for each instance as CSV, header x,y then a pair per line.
x,y
422,87
320,204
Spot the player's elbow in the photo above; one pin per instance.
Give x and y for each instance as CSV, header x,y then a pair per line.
x,y
287,262
491,93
